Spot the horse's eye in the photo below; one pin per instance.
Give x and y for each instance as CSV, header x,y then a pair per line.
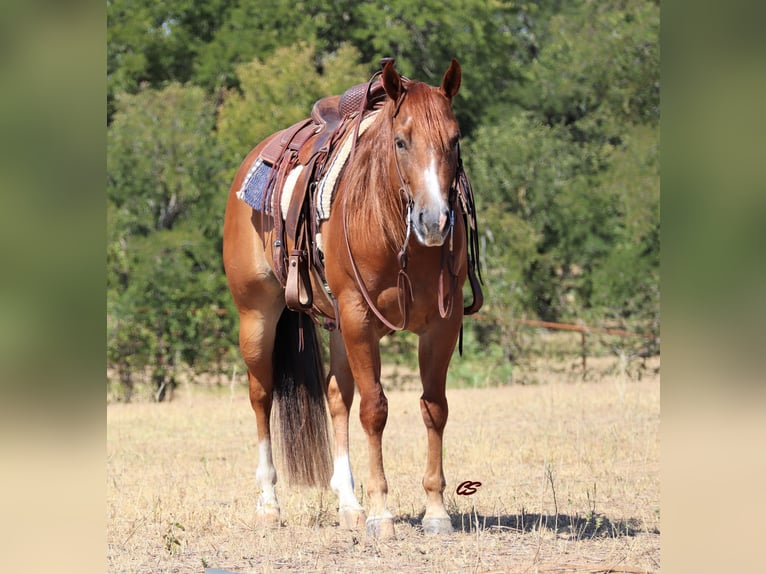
x,y
400,144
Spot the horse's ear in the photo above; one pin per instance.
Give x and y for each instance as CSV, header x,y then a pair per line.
x,y
451,80
392,81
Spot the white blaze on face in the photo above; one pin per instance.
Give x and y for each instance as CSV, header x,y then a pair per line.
x,y
433,188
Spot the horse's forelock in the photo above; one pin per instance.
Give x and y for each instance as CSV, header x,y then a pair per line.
x,y
430,111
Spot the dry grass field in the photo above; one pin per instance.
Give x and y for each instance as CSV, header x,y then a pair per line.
x,y
569,472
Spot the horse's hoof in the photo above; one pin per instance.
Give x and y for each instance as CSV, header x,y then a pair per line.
x,y
267,518
351,518
437,525
380,528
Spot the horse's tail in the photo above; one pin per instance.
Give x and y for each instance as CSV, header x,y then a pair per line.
x,y
300,414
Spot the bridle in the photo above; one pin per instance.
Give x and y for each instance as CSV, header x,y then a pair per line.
x,y
460,193
403,282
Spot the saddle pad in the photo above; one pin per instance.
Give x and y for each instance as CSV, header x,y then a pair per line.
x,y
326,188
255,187
289,187
255,192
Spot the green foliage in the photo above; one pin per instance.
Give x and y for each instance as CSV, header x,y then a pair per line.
x,y
165,207
487,37
562,218
540,227
153,43
161,160
280,91
625,283
252,29
574,181
559,109
601,65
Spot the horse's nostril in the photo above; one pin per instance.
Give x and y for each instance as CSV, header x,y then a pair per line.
x,y
420,217
443,220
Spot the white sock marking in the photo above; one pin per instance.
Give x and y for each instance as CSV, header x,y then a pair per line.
x,y
266,475
342,483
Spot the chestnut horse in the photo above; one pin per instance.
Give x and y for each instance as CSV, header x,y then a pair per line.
x,y
396,257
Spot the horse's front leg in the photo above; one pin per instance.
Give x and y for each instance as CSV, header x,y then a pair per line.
x,y
434,352
340,396
363,352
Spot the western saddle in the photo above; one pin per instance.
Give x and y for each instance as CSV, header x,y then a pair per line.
x,y
309,144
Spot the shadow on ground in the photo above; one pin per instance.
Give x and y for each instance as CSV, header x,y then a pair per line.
x,y
578,527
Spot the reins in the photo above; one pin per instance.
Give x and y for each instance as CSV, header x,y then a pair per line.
x,y
460,189
403,283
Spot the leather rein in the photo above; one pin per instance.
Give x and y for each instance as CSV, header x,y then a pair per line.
x,y
447,275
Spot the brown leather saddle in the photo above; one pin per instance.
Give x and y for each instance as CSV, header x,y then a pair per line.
x,y
309,144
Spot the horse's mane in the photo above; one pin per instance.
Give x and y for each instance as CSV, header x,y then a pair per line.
x,y
375,205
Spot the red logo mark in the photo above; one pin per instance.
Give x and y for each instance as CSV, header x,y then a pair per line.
x,y
467,488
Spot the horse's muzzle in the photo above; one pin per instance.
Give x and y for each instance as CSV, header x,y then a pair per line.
x,y
431,228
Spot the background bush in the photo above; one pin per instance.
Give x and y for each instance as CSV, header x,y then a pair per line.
x,y
559,110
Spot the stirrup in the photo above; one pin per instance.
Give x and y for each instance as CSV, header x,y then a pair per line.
x,y
298,293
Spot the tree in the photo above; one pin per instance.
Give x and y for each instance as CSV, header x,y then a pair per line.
x,y
279,91
165,208
155,43
488,38
530,177
598,78
577,174
256,29
600,70
625,284
161,160
559,110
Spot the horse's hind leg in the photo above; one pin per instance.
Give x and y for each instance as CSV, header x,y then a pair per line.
x,y
434,353
256,341
340,395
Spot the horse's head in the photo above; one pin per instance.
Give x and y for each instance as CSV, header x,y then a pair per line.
x,y
425,140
